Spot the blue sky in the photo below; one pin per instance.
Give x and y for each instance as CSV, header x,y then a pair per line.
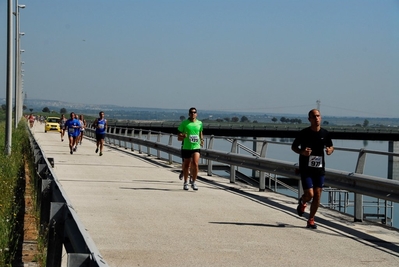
x,y
246,56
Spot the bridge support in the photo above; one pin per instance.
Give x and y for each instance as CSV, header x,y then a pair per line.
x,y
358,212
393,162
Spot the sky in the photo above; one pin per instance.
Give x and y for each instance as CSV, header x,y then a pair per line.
x,y
260,56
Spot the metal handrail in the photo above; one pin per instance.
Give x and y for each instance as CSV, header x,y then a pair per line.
x,y
354,182
251,126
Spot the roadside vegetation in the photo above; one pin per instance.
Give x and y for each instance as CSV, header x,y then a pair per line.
x,y
11,188
13,169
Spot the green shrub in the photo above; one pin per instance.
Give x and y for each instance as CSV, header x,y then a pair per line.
x,y
12,191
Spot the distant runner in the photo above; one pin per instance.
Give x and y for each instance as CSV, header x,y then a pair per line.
x,y
100,124
310,145
72,125
190,132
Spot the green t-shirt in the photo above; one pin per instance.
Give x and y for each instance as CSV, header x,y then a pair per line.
x,y
192,130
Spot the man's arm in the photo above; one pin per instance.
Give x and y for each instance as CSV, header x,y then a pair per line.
x,y
95,124
181,136
329,150
304,152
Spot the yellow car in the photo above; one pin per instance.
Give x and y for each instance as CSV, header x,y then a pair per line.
x,y
52,124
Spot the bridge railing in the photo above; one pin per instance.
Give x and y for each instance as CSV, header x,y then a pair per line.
x,y
248,126
355,182
59,220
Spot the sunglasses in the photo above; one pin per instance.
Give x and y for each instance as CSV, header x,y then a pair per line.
x,y
193,112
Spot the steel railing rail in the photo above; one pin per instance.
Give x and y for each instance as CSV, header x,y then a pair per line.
x,y
248,126
59,219
355,182
388,132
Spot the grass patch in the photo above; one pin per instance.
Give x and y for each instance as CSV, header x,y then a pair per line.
x,y
12,191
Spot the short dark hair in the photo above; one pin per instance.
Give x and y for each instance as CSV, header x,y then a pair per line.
x,y
310,113
192,109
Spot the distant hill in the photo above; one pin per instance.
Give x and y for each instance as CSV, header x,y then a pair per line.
x,y
157,114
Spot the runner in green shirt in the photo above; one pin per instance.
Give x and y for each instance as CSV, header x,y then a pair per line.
x,y
190,131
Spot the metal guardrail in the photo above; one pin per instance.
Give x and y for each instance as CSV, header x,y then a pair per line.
x,y
354,182
60,220
248,126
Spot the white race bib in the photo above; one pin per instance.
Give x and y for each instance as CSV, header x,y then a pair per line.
x,y
71,130
194,138
315,161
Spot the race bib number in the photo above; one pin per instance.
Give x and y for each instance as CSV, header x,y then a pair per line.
x,y
101,126
194,138
315,161
71,130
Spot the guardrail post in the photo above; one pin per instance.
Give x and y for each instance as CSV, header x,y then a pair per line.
x,y
126,131
300,189
159,141
131,143
234,146
55,234
149,139
210,146
262,175
45,200
113,139
393,162
119,140
140,136
170,144
358,212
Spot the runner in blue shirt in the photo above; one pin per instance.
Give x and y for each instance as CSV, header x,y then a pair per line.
x,y
100,124
72,126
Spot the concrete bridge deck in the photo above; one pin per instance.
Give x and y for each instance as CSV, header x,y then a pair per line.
x,y
138,214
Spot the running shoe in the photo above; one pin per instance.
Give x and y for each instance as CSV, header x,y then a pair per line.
x,y
97,150
71,152
181,175
185,186
194,186
311,224
101,153
301,207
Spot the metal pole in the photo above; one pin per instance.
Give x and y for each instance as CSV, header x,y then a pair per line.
x,y
18,67
16,74
19,96
9,81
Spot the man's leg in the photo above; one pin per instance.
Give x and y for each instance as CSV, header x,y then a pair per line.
x,y
194,166
101,146
307,195
186,165
70,139
315,202
97,142
194,169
